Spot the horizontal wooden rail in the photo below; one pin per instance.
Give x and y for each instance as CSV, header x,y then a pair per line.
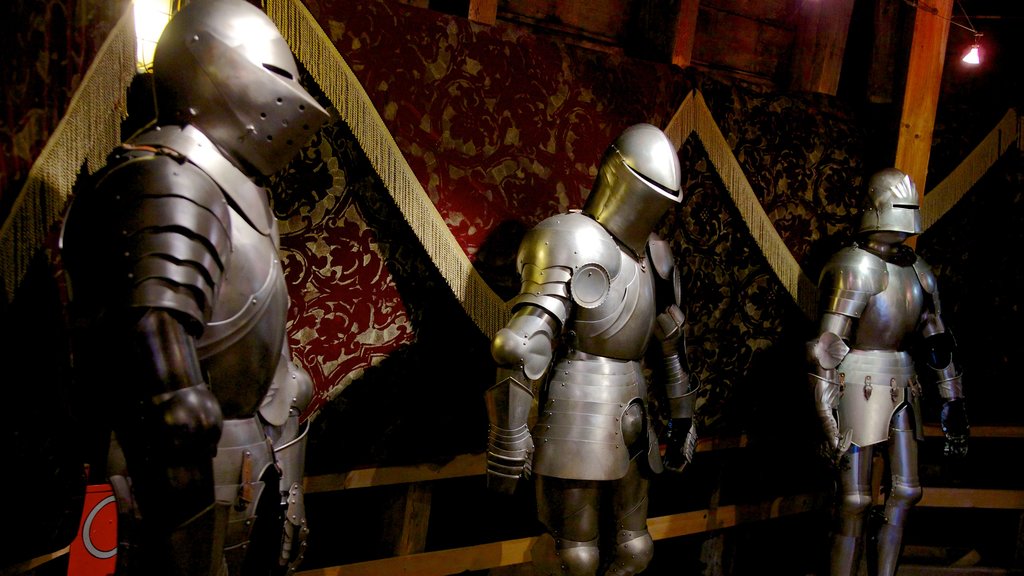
x,y
460,466
474,464
932,430
972,498
512,552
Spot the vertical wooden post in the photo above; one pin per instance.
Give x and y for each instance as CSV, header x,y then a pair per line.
x,y
483,11
819,45
921,97
410,519
882,67
685,31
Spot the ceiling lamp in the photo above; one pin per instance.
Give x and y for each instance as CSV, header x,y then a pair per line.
x,y
973,54
151,16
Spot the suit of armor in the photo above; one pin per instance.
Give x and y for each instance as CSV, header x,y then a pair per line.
x,y
579,330
179,306
880,305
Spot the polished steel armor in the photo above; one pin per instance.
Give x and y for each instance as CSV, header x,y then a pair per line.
x,y
879,301
580,328
179,305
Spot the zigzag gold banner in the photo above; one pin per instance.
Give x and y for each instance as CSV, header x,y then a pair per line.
x,y
693,116
319,55
90,129
947,193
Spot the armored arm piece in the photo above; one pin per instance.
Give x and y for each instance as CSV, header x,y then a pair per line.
x,y
940,353
682,436
144,250
670,331
847,283
290,393
522,350
823,355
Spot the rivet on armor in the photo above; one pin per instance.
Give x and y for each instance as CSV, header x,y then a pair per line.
x,y
867,387
254,301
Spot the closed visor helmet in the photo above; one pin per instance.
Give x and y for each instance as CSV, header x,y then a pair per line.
x,y
892,204
223,67
638,181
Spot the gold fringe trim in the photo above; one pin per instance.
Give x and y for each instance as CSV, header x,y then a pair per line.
x,y
89,130
319,55
953,187
693,116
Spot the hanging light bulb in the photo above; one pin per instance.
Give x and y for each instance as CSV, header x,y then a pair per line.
x,y
151,16
973,54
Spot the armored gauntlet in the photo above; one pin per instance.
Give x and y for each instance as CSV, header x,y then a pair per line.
x,y
509,443
825,353
682,434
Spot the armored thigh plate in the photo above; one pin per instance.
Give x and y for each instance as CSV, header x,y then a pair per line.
x,y
876,383
579,432
243,454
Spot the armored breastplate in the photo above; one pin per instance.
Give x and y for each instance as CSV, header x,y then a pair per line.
x,y
893,313
241,345
621,325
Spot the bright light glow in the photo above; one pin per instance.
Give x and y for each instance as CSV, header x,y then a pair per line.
x,y
973,56
151,16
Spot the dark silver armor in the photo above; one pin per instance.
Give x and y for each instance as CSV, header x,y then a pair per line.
x,y
880,305
179,305
579,331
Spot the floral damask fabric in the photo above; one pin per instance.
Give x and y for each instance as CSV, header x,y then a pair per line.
x,y
45,47
504,129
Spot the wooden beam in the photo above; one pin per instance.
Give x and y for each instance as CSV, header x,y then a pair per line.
x,y
921,95
972,498
462,465
474,464
512,552
483,11
980,431
685,32
411,518
882,65
821,32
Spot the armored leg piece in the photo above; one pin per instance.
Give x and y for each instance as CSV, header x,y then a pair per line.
x,y
904,493
569,510
855,501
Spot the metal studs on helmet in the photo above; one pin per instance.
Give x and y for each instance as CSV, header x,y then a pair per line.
x,y
223,67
